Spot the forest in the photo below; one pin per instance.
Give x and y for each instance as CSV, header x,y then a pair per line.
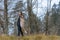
x,y
41,16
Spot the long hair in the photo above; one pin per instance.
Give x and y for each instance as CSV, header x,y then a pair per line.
x,y
21,14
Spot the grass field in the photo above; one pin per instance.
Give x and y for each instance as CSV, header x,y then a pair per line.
x,y
31,37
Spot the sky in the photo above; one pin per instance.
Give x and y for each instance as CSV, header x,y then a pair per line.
x,y
43,4
42,11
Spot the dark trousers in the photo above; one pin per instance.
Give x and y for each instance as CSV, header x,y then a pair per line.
x,y
20,31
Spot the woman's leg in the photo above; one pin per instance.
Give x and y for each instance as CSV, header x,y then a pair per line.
x,y
18,31
21,31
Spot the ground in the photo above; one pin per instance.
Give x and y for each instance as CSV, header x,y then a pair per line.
x,y
31,37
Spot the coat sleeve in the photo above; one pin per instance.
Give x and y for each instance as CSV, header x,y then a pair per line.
x,y
18,22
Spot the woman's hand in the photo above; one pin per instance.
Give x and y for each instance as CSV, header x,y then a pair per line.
x,y
26,32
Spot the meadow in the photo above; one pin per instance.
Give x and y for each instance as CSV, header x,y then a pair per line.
x,y
31,37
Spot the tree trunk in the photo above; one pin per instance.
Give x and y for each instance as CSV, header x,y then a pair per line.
x,y
47,15
29,7
47,23
6,17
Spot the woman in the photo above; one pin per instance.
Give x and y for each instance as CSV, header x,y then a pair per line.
x,y
20,24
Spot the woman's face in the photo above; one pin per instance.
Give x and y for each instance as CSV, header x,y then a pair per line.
x,y
20,14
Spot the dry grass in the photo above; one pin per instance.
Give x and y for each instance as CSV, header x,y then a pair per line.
x,y
32,37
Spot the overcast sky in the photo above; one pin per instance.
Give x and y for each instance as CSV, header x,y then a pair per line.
x,y
43,4
41,11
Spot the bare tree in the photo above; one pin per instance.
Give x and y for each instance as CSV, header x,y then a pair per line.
x,y
29,7
47,14
6,17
